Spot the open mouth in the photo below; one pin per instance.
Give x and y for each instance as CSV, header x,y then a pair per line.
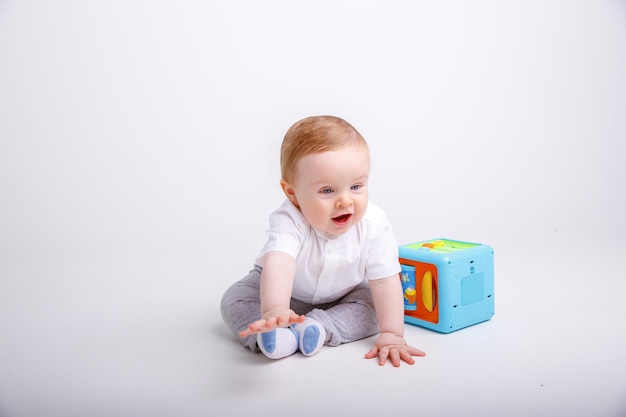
x,y
343,219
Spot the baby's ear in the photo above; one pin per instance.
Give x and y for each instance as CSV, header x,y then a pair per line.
x,y
289,192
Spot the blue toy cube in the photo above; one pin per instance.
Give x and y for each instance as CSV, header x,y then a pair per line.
x,y
447,284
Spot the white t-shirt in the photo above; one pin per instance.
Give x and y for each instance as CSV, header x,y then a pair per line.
x,y
328,267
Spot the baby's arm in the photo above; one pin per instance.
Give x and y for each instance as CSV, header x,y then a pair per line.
x,y
387,294
277,277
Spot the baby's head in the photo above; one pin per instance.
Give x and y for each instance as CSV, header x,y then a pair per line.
x,y
315,134
325,166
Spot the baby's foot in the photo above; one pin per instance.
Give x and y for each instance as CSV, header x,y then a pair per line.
x,y
278,343
311,336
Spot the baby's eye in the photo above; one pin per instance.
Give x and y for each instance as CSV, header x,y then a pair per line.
x,y
326,191
355,187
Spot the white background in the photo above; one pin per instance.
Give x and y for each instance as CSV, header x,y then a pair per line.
x,y
139,160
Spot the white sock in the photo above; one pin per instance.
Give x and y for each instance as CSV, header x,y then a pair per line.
x,y
278,343
311,336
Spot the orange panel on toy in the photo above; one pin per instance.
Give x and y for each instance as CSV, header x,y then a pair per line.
x,y
423,277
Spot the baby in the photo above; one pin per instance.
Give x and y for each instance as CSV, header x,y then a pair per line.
x,y
328,273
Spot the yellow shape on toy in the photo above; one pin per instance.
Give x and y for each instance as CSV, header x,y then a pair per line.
x,y
427,291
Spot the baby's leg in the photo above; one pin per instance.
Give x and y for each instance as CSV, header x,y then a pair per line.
x,y
241,305
351,318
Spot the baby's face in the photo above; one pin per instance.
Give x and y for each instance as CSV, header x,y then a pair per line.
x,y
331,188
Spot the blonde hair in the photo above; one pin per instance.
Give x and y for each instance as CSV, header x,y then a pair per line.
x,y
315,134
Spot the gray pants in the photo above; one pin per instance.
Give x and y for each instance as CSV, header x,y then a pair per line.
x,y
350,318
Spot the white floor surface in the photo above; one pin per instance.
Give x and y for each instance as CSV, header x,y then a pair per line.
x,y
148,340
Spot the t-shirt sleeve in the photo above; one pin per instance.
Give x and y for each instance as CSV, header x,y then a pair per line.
x,y
285,233
382,252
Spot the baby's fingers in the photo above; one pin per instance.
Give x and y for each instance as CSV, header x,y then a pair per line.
x,y
259,326
247,332
372,353
296,318
405,355
415,352
383,354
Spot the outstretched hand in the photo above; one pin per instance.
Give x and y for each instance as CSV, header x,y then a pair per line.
x,y
277,317
393,348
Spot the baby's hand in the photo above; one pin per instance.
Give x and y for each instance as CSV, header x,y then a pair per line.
x,y
276,317
394,348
